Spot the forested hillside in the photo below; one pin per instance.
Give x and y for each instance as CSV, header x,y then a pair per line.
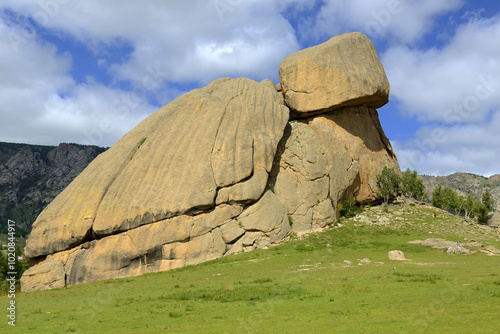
x,y
32,175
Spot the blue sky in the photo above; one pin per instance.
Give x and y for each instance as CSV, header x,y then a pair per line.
x,y
89,71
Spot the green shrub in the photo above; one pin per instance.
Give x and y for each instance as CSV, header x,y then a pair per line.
x,y
348,208
290,218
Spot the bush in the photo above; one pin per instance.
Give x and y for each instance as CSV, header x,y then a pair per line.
x,y
348,208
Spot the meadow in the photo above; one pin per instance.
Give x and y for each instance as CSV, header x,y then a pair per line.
x,y
320,283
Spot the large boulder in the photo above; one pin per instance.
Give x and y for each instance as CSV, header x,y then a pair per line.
x,y
221,170
176,161
344,71
302,178
358,151
327,159
174,179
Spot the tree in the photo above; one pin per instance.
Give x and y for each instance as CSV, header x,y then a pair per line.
x,y
481,212
487,200
460,205
469,206
437,197
389,183
450,200
482,209
413,186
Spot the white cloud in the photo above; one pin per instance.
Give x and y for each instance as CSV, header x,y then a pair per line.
x,y
454,90
41,103
442,150
458,83
193,41
400,21
94,114
182,44
29,75
172,43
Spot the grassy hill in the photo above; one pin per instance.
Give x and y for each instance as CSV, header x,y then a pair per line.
x,y
310,284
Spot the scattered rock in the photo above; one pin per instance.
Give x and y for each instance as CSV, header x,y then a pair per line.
x,y
396,255
365,260
472,244
492,250
488,253
347,262
438,243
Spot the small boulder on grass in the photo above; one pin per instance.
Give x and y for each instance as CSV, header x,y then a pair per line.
x,y
397,255
493,250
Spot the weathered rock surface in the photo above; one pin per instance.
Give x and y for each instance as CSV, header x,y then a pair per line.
x,y
326,159
303,183
48,275
218,171
396,255
438,243
492,249
212,146
344,71
144,177
356,134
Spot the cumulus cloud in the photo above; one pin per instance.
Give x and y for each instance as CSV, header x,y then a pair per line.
x,y
29,75
41,103
454,92
402,22
193,41
169,47
458,83
442,150
172,46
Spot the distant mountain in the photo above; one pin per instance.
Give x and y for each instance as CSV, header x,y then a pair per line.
x,y
465,183
32,175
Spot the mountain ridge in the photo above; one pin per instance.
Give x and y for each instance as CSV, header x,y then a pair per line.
x,y
31,176
468,184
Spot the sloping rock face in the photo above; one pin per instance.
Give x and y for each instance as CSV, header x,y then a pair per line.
x,y
218,171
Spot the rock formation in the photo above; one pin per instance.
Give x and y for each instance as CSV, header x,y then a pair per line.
x,y
222,170
345,71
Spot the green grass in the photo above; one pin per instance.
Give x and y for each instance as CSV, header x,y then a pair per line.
x,y
302,286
